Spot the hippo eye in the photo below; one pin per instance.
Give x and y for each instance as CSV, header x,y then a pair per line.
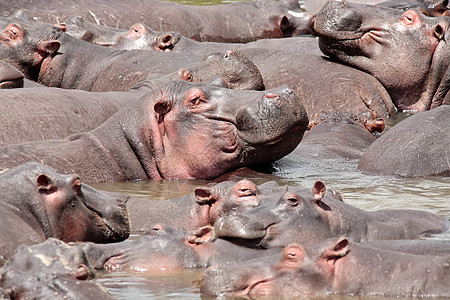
x,y
244,192
195,97
292,200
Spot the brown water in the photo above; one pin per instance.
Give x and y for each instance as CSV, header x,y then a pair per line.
x,y
364,191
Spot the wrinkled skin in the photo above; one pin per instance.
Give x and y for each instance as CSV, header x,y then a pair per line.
x,y
51,270
10,77
162,134
202,207
27,114
300,216
46,54
417,146
234,22
38,203
165,248
335,266
374,39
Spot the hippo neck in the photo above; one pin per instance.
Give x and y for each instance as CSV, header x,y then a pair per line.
x,y
77,64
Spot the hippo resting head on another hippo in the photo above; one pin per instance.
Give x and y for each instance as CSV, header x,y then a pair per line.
x,y
51,270
335,266
406,51
38,203
178,129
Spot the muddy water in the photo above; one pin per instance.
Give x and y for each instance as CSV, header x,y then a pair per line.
x,y
364,191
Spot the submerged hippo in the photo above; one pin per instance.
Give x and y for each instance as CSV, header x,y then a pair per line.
x,y
50,270
406,51
417,146
165,248
37,203
336,266
302,216
163,133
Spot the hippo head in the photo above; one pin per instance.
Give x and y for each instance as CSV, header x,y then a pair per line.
x,y
161,249
405,51
63,207
51,270
297,216
28,46
300,271
196,130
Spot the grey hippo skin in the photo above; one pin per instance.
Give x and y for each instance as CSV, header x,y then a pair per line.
x,y
43,113
50,270
406,51
165,248
302,216
334,267
163,133
417,146
37,203
10,76
233,22
45,54
202,207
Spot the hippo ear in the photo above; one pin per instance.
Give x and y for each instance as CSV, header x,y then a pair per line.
x,y
319,190
335,250
204,195
12,35
44,184
48,47
164,42
185,75
202,235
292,257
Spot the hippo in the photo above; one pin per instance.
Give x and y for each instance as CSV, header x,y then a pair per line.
x,y
336,266
50,270
10,76
162,134
27,116
232,22
202,207
71,63
416,146
431,8
405,51
302,216
164,248
38,203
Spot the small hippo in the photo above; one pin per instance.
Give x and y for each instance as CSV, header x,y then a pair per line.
x,y
165,248
50,270
202,207
163,133
406,51
300,216
37,203
333,267
417,146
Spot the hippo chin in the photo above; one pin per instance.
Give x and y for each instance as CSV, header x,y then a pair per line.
x,y
406,51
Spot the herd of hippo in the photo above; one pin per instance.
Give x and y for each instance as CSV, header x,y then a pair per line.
x,y
120,91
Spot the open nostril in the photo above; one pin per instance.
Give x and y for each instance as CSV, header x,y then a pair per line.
x,y
349,21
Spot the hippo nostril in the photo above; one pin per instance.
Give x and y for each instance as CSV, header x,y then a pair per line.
x,y
349,21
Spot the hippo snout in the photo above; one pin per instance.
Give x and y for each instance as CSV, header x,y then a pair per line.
x,y
214,282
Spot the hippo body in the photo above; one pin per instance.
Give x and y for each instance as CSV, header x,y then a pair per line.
x,y
160,135
336,267
10,76
50,270
301,217
38,203
417,146
233,22
165,248
406,51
